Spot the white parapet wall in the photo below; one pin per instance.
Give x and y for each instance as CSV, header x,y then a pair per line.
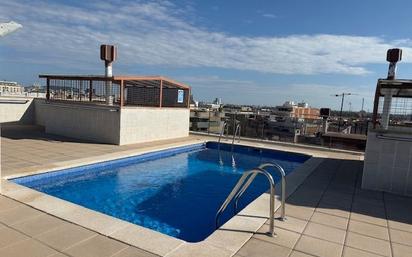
x,y
112,125
145,124
16,109
88,122
388,161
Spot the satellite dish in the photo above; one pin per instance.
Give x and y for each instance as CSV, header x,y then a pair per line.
x,y
9,27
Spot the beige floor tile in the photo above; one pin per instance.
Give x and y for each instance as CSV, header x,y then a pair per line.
x,y
400,225
10,236
299,254
291,223
96,246
401,250
58,255
352,252
368,244
330,220
332,209
65,236
370,210
325,232
339,199
199,250
318,247
369,229
39,224
300,212
283,237
376,220
147,239
133,252
7,204
18,214
401,237
27,248
259,248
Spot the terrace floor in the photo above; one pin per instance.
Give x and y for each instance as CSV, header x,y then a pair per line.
x,y
328,215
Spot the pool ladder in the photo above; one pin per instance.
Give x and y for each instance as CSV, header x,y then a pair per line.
x,y
237,131
222,133
245,181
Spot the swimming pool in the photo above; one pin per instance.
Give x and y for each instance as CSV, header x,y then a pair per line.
x,y
176,191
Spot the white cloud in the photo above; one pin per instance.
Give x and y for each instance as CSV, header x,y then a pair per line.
x,y
157,33
269,15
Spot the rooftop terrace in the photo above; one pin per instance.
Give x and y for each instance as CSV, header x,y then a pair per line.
x,y
328,214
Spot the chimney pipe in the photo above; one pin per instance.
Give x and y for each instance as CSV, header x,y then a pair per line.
x,y
108,54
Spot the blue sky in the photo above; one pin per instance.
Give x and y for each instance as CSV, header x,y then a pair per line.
x,y
250,52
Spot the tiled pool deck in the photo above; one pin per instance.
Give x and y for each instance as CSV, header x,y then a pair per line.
x,y
328,215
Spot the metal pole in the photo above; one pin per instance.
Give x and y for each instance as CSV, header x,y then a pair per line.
x,y
208,124
121,93
341,109
90,90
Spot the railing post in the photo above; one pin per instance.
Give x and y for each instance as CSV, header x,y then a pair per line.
x,y
47,89
161,93
121,93
188,98
90,90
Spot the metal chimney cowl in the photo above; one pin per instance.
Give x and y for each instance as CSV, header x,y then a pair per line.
x,y
108,54
393,56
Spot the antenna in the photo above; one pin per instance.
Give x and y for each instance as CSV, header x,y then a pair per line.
x,y
363,103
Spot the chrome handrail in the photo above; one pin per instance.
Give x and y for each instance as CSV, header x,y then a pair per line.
x,y
222,132
239,185
237,131
252,177
283,182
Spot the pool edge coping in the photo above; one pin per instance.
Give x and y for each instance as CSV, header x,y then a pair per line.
x,y
225,240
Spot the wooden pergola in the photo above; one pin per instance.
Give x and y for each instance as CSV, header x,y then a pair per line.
x,y
157,91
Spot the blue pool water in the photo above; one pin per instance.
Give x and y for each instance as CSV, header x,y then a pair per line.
x,y
176,192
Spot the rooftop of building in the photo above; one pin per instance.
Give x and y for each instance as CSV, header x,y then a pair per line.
x,y
327,215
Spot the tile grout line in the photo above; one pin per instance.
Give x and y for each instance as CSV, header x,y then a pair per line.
x,y
387,222
350,213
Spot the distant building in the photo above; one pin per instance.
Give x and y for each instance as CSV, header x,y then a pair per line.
x,y
298,111
10,88
206,120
